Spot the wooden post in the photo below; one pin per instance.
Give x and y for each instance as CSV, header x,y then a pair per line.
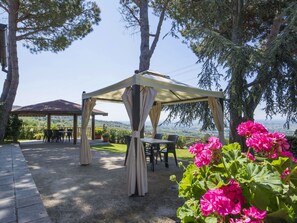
x,y
49,125
222,101
135,117
74,129
93,127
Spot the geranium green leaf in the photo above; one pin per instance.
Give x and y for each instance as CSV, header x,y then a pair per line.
x,y
230,147
281,163
188,211
265,183
214,180
293,176
211,220
234,155
265,175
191,184
278,215
261,198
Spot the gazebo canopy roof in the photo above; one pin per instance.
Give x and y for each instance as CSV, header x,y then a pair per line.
x,y
169,91
57,107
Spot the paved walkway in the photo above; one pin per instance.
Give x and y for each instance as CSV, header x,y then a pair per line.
x,y
20,201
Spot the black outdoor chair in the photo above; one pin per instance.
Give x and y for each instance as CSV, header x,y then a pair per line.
x,y
61,135
47,135
152,150
156,147
149,153
170,148
69,134
127,142
56,135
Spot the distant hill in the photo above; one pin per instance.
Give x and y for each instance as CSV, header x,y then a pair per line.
x,y
195,130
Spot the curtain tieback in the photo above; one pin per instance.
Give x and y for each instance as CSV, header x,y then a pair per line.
x,y
136,134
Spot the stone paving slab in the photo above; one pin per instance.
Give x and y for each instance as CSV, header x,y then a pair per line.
x,y
8,215
7,202
20,201
6,180
31,213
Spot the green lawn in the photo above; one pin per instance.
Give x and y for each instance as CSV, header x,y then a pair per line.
x,y
182,154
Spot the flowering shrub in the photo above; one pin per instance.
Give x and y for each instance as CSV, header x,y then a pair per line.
x,y
225,185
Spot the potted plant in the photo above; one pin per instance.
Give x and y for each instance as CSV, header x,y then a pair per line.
x,y
98,134
106,136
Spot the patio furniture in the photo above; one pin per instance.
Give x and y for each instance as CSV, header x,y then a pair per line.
x,y
156,147
148,149
56,135
170,148
47,135
149,153
61,135
69,134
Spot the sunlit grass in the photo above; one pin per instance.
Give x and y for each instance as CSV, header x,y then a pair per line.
x,y
117,148
182,154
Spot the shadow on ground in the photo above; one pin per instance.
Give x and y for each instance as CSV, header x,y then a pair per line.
x,y
98,192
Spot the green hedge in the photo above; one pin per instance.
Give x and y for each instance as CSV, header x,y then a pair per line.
x,y
117,135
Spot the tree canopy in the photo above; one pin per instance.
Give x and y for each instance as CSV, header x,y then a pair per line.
x,y
41,26
250,44
54,25
136,15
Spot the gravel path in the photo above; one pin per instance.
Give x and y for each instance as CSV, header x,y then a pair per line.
x,y
98,192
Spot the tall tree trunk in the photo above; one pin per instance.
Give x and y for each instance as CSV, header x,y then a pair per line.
x,y
145,56
264,75
12,79
236,88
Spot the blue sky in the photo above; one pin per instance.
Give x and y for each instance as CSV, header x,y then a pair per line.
x,y
107,55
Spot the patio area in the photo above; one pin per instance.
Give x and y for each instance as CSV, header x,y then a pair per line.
x,y
98,192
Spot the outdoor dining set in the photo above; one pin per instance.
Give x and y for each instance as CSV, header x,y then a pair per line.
x,y
153,149
57,135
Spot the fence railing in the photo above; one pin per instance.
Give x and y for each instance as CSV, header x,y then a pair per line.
x,y
36,132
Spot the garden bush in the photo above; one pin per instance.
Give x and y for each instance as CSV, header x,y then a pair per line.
x,y
38,136
13,128
226,185
117,135
181,142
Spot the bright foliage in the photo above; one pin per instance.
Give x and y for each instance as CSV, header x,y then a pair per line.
x,y
226,185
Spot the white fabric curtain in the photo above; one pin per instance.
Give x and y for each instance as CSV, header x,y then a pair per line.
x,y
218,116
136,161
85,152
155,116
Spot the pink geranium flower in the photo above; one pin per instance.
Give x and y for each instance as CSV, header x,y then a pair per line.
x,y
196,148
203,158
285,173
224,200
271,145
248,128
214,143
261,142
251,215
254,213
206,153
250,156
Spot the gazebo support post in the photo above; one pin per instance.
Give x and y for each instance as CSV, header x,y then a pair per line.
x,y
93,127
49,117
222,103
74,129
136,117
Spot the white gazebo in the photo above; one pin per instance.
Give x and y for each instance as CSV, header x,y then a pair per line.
x,y
143,95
